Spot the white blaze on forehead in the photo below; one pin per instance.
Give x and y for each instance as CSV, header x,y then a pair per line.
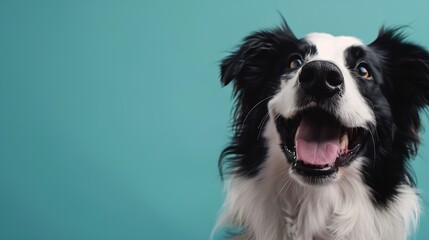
x,y
330,47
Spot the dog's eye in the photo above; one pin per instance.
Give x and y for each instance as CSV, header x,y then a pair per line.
x,y
363,71
295,62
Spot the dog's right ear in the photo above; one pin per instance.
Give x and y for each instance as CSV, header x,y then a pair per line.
x,y
255,58
406,82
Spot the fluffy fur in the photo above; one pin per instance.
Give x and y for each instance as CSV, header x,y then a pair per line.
x,y
373,196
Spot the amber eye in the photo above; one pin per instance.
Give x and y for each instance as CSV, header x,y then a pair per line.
x,y
363,71
295,62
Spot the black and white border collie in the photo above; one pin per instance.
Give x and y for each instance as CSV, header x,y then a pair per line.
x,y
324,127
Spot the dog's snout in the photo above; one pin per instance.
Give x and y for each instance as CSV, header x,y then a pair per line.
x,y
321,79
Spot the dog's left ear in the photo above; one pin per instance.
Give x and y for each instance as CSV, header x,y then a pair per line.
x,y
406,66
406,79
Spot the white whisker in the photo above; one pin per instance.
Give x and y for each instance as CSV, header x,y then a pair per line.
x,y
247,115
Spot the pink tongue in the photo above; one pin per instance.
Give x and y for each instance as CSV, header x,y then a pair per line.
x,y
316,143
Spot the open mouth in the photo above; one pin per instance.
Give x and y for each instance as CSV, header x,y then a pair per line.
x,y
317,144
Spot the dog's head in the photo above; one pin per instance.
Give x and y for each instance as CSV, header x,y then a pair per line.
x,y
333,100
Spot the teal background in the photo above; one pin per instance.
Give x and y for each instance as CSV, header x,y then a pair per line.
x,y
112,116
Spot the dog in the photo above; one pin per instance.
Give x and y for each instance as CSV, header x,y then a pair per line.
x,y
323,130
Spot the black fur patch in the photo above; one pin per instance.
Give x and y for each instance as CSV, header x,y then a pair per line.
x,y
256,68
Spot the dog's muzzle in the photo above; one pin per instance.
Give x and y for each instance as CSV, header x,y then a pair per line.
x,y
316,140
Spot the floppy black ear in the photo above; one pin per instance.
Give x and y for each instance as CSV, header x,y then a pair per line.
x,y
254,69
406,80
256,57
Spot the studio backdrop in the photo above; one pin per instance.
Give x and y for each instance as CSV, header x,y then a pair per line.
x,y
112,116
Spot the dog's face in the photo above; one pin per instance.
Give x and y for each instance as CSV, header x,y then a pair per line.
x,y
333,101
322,108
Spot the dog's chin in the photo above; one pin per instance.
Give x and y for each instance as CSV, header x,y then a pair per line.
x,y
318,146
310,175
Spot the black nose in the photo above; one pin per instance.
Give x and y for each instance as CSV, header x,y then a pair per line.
x,y
321,79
